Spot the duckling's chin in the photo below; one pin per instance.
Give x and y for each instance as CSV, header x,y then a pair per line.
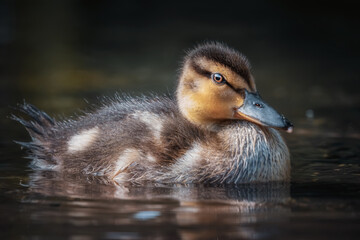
x,y
288,129
217,125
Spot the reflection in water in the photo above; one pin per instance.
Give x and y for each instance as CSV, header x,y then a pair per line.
x,y
184,211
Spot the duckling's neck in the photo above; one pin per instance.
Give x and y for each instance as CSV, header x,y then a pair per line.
x,y
195,117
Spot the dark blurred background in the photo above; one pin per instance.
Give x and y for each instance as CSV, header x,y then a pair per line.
x,y
305,54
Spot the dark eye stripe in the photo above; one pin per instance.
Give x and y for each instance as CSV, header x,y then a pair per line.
x,y
200,70
237,90
206,73
219,79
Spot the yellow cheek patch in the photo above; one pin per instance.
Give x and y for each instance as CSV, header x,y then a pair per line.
x,y
239,101
211,103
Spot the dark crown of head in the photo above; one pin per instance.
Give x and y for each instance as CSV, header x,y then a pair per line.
x,y
223,55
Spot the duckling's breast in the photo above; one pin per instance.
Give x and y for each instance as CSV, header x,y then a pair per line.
x,y
240,152
255,154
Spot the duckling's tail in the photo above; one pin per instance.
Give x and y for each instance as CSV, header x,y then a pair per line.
x,y
40,128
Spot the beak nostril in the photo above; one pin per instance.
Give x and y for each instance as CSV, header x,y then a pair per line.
x,y
258,105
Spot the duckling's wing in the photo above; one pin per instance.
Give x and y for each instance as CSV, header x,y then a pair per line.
x,y
95,138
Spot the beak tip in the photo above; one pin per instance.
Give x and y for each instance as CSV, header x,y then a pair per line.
x,y
290,129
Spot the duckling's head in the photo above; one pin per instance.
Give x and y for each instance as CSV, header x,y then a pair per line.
x,y
216,85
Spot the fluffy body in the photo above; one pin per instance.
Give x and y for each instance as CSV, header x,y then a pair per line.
x,y
197,137
128,146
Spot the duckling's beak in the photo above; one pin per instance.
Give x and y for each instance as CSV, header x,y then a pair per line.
x,y
254,109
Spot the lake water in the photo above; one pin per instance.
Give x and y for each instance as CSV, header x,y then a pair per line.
x,y
307,71
321,202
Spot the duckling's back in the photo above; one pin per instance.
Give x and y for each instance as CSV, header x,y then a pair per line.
x,y
138,133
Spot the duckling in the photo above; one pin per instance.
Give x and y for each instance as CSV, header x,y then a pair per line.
x,y
217,129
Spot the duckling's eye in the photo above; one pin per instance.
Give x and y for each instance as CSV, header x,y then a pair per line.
x,y
218,78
